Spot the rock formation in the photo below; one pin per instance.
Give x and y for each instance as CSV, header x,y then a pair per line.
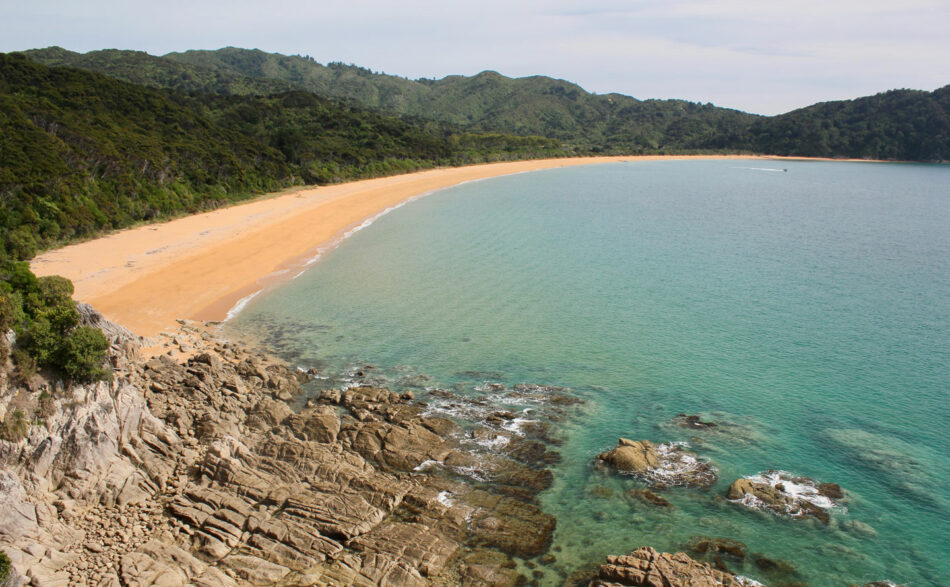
x,y
190,467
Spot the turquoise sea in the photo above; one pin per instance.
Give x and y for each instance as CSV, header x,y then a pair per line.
x,y
803,306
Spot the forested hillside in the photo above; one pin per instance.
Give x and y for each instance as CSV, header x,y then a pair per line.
x,y
898,125
81,152
487,102
907,125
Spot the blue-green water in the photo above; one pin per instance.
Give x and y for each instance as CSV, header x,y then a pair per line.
x,y
808,310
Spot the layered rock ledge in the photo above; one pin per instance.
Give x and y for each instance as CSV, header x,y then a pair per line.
x,y
649,568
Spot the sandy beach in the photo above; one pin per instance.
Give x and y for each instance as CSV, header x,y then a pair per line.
x,y
200,266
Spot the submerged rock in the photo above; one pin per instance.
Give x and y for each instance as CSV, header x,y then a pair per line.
x,y
693,422
648,497
660,465
786,494
716,546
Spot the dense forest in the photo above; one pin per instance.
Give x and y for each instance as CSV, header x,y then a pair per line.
x,y
81,152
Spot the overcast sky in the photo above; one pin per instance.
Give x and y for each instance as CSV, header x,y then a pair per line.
x,y
762,56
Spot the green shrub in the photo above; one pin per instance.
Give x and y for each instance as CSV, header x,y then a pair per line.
x,y
46,321
5,567
7,311
82,353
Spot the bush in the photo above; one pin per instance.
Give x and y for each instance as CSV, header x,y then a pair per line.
x,y
44,316
5,567
7,311
82,353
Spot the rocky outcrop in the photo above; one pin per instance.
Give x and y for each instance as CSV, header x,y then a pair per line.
x,y
786,494
190,467
660,465
647,567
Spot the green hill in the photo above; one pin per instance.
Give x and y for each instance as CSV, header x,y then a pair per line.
x,y
901,124
907,125
81,153
140,68
487,102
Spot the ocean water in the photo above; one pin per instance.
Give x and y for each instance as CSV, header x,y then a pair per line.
x,y
803,306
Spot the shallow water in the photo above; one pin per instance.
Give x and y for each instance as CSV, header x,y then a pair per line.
x,y
806,311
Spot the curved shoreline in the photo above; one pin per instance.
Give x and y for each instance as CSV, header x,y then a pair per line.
x,y
202,266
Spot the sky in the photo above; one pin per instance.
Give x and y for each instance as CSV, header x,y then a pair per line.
x,y
761,56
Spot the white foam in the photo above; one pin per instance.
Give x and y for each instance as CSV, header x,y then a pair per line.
x,y
675,464
240,305
445,498
748,582
494,443
473,473
514,425
314,258
773,169
806,491
426,465
797,491
369,221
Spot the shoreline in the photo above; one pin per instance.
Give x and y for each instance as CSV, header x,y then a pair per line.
x,y
205,266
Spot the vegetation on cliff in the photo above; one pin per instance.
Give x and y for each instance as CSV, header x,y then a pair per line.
x,y
43,315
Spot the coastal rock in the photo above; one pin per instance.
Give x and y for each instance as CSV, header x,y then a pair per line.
x,y
190,467
319,424
632,456
660,465
647,567
786,494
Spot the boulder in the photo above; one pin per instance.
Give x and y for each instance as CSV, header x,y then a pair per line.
x,y
632,456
